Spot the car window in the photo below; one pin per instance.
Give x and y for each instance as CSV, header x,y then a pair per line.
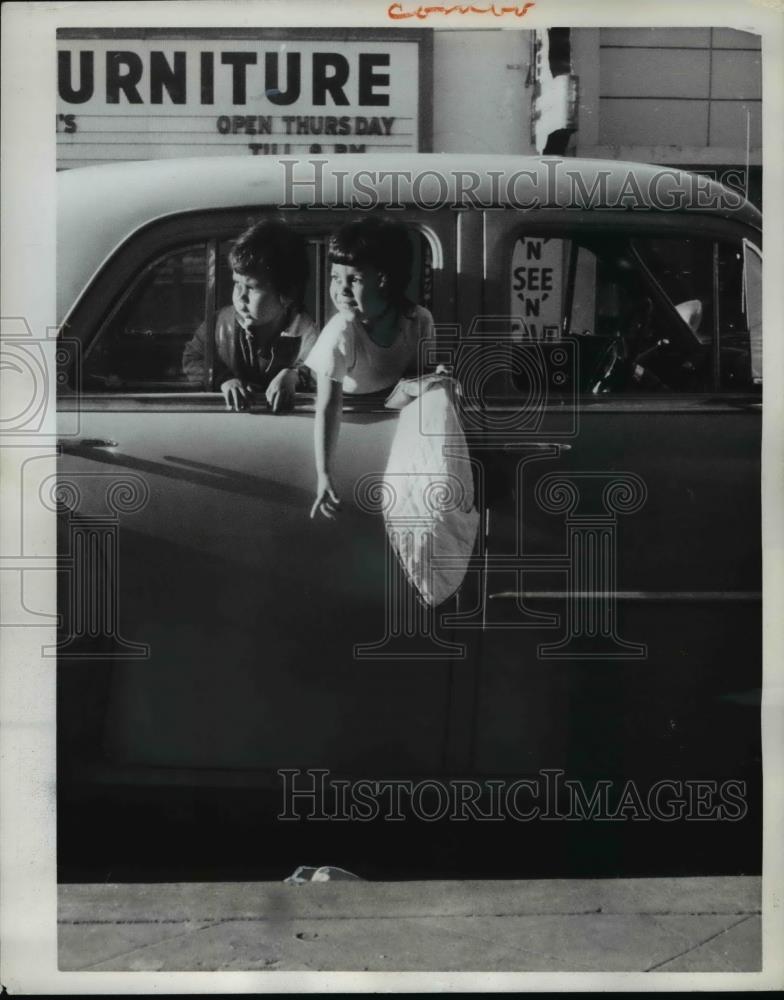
x,y
156,338
752,300
639,312
140,346
685,269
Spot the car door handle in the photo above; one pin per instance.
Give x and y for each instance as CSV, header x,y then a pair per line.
x,y
87,443
535,446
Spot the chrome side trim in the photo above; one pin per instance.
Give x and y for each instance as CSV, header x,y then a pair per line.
x,y
704,596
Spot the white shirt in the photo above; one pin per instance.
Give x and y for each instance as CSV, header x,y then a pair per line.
x,y
344,352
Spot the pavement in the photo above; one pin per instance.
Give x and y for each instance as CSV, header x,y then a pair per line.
x,y
593,925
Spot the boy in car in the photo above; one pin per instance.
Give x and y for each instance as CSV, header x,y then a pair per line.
x,y
262,339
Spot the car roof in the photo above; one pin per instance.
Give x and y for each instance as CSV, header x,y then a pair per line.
x,y
100,207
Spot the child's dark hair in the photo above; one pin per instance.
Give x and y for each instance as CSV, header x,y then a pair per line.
x,y
271,248
374,242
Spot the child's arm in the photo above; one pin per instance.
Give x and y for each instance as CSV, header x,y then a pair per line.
x,y
329,406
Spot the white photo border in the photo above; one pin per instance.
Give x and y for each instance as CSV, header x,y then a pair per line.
x,y
28,890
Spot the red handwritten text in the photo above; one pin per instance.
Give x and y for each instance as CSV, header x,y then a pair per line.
x,y
397,13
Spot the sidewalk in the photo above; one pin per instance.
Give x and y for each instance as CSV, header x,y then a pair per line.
x,y
668,925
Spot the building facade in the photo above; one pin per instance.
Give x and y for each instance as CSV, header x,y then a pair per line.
x,y
687,97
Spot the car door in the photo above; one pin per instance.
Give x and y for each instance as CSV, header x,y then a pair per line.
x,y
210,628
621,632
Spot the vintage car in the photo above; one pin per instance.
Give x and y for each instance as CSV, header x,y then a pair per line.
x,y
603,322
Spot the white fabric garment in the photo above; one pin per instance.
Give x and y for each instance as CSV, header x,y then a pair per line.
x,y
430,518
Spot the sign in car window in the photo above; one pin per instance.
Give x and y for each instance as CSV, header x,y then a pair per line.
x,y
122,97
537,285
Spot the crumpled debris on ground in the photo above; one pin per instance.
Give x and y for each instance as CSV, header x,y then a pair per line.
x,y
327,873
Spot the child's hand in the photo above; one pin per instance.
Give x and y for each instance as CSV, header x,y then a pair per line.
x,y
236,394
282,390
327,500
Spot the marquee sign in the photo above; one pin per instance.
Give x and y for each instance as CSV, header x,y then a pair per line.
x,y
125,95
